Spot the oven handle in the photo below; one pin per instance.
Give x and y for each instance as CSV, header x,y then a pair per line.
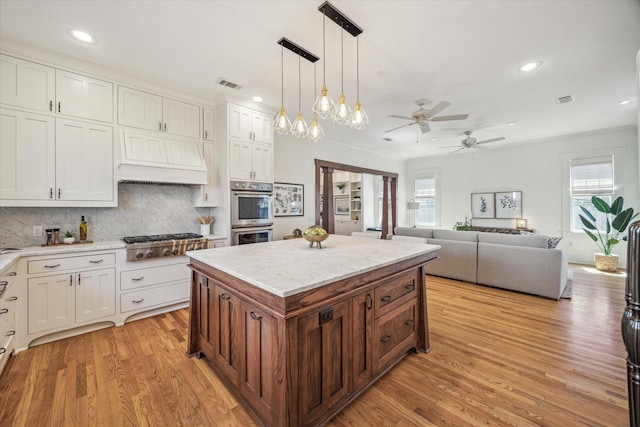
x,y
249,229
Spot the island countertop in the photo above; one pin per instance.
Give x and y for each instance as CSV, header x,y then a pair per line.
x,y
288,267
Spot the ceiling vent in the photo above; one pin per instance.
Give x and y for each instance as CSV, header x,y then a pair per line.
x,y
387,139
227,83
565,99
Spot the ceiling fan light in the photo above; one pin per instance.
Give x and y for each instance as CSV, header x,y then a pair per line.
x,y
343,111
530,66
282,124
299,128
324,105
316,133
359,118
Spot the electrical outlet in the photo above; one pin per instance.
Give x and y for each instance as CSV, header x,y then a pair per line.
x,y
37,231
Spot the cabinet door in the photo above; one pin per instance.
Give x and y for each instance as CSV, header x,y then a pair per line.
x,y
51,302
182,153
227,333
139,109
262,162
239,122
262,128
240,159
207,195
208,124
95,294
323,339
143,148
361,351
27,156
181,118
206,321
84,97
257,377
26,84
84,161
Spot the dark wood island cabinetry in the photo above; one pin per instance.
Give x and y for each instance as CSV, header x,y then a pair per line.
x,y
296,351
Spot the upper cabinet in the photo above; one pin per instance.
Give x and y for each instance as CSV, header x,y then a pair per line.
x,y
208,124
152,112
250,125
40,88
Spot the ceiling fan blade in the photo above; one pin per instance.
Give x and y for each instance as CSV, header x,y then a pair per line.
x,y
435,110
447,118
401,117
491,140
459,149
479,147
450,146
424,127
408,124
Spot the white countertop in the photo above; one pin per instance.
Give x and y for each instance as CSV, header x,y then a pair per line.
x,y
9,258
288,267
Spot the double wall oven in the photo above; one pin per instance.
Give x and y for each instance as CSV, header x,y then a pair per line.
x,y
251,212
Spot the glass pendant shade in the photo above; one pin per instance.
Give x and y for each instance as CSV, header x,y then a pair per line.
x,y
324,104
359,118
282,124
299,128
342,112
316,133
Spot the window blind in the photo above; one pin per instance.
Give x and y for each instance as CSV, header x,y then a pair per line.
x,y
592,176
426,186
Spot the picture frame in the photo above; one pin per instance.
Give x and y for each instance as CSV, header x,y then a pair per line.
x,y
509,204
341,205
483,205
288,199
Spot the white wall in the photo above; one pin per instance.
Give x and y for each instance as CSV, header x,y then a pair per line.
x,y
294,163
534,168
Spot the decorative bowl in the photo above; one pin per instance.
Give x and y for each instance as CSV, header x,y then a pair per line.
x,y
316,239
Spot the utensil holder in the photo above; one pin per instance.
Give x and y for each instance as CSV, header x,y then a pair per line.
x,y
205,229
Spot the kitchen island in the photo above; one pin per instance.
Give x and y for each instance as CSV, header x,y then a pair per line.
x,y
300,332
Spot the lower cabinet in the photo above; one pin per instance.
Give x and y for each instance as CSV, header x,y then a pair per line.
x,y
8,305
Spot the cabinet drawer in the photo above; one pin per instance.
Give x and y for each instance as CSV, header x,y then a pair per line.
x,y
161,295
395,334
394,291
153,276
8,278
70,263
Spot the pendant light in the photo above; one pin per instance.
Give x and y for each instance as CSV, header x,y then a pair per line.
x,y
359,118
316,133
342,112
324,105
299,128
282,125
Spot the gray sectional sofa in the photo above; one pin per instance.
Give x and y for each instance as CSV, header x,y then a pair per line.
x,y
514,262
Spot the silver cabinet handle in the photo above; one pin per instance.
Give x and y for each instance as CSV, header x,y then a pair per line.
x,y
51,192
9,333
137,279
58,193
51,105
205,134
165,127
137,301
58,107
3,350
79,279
4,311
12,273
4,283
96,262
52,266
71,280
12,299
160,126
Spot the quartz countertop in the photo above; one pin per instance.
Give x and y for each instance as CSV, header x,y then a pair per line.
x,y
7,259
288,267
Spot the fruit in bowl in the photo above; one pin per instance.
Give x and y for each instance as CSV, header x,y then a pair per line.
x,y
315,234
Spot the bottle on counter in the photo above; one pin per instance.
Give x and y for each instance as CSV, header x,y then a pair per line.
x,y
56,236
83,229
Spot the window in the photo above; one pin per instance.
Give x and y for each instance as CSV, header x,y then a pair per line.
x,y
425,196
590,177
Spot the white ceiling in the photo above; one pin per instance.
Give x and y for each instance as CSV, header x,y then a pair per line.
x,y
464,52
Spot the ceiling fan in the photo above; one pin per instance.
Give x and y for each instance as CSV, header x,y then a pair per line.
x,y
470,142
422,116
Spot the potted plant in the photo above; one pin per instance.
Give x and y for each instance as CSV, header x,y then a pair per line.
x,y
68,238
617,222
341,186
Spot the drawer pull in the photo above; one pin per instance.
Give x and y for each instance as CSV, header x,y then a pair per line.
x,y
12,273
52,266
4,283
137,301
386,338
369,302
409,322
410,287
96,262
4,310
9,333
3,350
225,297
137,279
12,299
254,317
386,298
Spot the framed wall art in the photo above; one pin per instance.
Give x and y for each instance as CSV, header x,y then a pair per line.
x,y
288,199
341,205
482,205
509,204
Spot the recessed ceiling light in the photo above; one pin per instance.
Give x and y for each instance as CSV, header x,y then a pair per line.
x,y
257,99
433,139
530,66
512,123
82,36
624,102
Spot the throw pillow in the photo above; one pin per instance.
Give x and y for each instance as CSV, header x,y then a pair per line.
x,y
553,242
526,233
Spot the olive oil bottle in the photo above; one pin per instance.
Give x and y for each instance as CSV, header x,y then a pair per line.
x,y
83,229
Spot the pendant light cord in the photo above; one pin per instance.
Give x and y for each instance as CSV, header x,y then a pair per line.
x,y
357,69
299,84
282,73
324,49
342,55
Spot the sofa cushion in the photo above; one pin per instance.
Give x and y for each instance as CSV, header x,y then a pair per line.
x,y
537,241
457,260
464,236
415,232
408,239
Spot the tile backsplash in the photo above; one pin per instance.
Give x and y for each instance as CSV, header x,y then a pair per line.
x,y
142,209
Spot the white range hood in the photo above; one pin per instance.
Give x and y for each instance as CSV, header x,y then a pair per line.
x,y
149,159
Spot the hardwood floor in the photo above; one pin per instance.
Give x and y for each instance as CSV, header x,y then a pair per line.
x,y
498,358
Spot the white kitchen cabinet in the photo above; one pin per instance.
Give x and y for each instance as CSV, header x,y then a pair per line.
x,y
84,97
8,308
26,84
262,162
250,161
95,294
250,125
208,124
207,195
143,148
153,112
54,160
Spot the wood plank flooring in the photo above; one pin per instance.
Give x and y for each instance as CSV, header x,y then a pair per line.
x,y
498,358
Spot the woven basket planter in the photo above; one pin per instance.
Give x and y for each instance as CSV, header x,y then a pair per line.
x,y
606,262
